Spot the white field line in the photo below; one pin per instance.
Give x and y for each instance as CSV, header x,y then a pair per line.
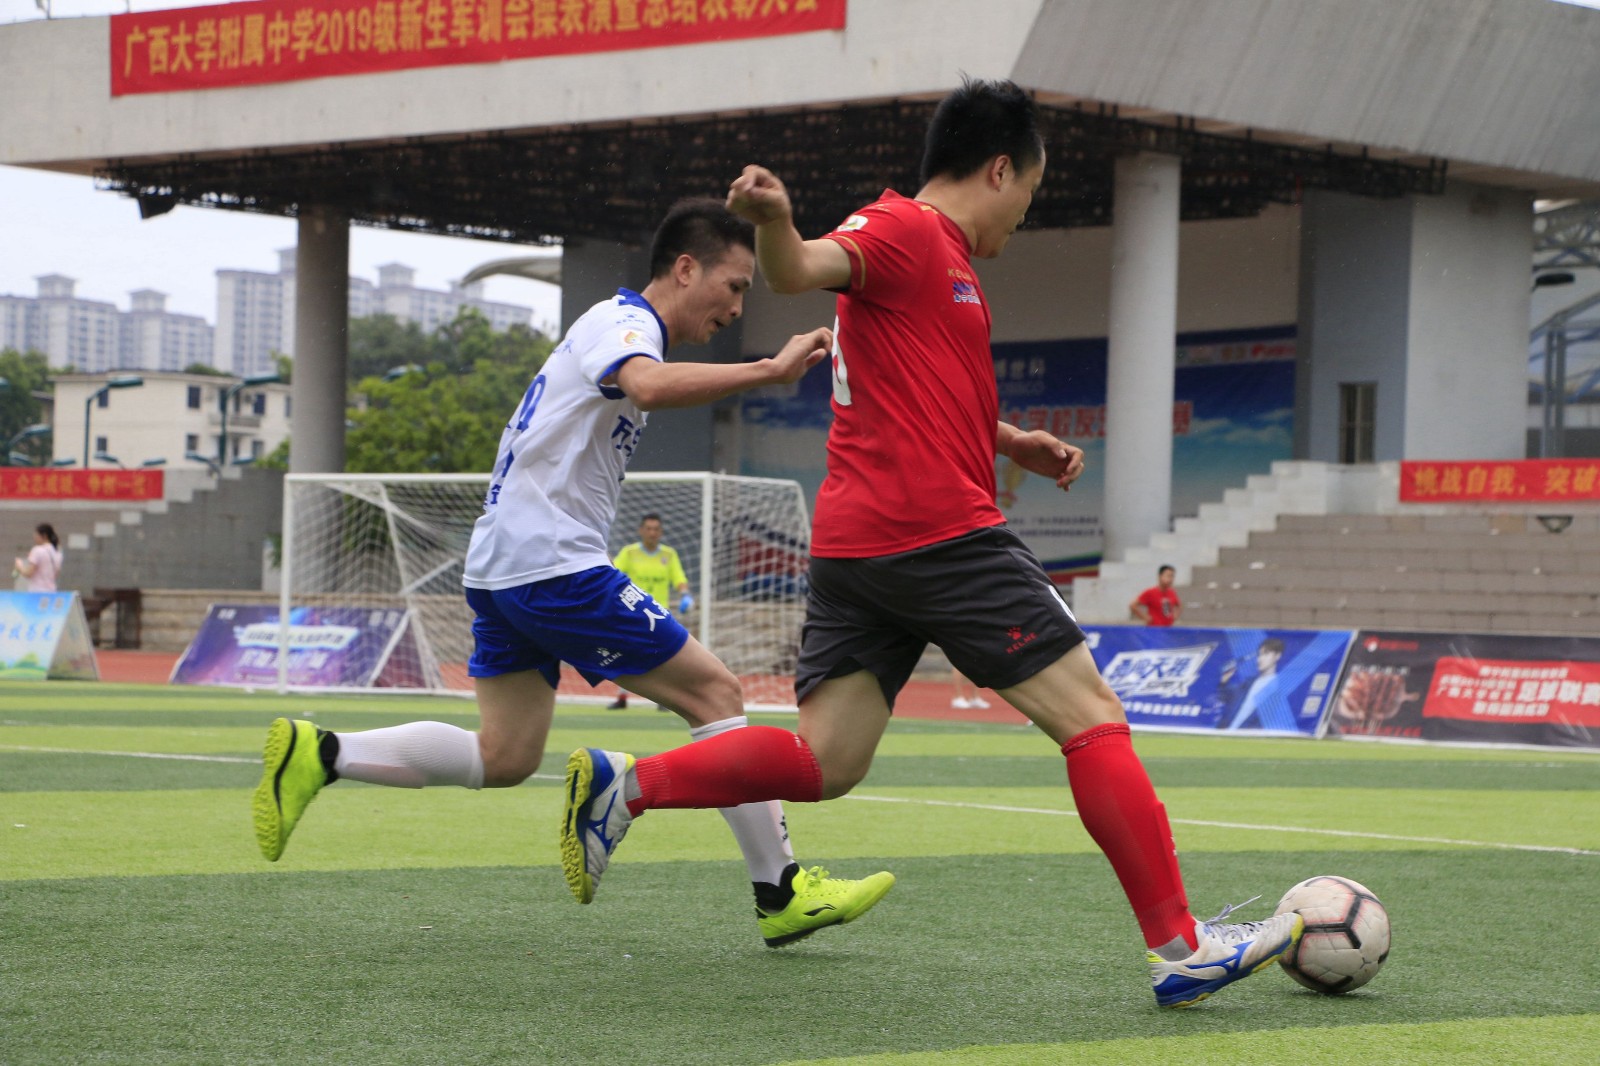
x,y
1004,809
130,754
998,808
185,758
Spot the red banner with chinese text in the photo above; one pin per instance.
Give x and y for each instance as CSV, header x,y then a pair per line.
x,y
1515,692
264,41
1511,481
22,483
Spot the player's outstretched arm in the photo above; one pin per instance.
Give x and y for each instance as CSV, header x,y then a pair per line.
x,y
657,386
789,263
1040,453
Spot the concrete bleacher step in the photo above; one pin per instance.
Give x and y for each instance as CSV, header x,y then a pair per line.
x,y
1316,544
1467,572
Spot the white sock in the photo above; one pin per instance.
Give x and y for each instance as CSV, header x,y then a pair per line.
x,y
412,756
760,829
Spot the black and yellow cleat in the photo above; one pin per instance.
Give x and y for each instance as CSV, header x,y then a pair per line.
x,y
820,901
291,776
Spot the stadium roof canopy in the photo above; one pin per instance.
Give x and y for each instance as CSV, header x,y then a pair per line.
x,y
1261,99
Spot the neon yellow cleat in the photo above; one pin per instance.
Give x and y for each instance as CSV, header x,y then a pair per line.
x,y
820,901
291,776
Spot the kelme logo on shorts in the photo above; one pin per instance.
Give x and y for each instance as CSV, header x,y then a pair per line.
x,y
1019,640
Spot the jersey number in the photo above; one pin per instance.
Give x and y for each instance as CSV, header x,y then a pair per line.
x,y
530,404
841,376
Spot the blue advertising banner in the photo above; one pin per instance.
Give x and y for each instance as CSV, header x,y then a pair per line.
x,y
1277,681
44,634
1232,417
329,647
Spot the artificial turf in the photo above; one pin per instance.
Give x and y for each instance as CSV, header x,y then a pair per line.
x,y
138,924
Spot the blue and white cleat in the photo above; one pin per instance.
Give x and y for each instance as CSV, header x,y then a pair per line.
x,y
1227,953
596,817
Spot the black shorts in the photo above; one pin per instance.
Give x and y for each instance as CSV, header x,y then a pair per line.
x,y
981,597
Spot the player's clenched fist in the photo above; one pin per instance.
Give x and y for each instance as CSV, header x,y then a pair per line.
x,y
801,353
758,197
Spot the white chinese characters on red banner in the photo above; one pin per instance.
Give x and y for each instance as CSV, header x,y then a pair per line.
x,y
1491,688
1515,691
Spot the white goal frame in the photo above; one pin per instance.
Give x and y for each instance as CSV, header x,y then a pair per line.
x,y
371,489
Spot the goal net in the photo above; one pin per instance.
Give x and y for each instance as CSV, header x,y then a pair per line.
x,y
385,551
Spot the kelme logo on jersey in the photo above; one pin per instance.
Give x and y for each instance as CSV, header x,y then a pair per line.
x,y
965,292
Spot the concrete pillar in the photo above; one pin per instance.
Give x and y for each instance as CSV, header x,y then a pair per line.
x,y
321,337
1141,367
1425,298
593,270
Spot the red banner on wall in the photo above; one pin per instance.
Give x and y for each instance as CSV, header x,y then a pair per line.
x,y
1475,687
1515,692
264,41
1512,481
21,483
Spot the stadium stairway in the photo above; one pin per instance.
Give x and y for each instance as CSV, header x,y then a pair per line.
x,y
1315,545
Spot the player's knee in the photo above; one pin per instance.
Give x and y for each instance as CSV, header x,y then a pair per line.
x,y
719,696
507,769
839,778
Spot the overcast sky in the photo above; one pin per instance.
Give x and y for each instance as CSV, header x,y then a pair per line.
x,y
60,224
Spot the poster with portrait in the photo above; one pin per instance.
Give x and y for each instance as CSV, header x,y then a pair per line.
x,y
1275,681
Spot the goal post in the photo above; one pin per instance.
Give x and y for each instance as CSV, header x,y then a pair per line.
x,y
388,549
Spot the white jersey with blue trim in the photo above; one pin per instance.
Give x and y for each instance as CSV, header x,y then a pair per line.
x,y
553,493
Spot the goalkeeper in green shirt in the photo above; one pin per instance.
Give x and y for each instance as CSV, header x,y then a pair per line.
x,y
655,568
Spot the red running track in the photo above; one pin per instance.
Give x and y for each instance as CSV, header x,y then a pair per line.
x,y
919,699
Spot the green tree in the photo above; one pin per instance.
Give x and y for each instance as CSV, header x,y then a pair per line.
x,y
26,373
447,417
380,343
445,414
206,369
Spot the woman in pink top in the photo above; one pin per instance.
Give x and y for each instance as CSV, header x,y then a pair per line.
x,y
44,560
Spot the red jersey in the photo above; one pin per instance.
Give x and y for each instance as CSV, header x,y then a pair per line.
x,y
1161,603
911,453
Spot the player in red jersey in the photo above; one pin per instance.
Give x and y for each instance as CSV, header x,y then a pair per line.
x,y
908,546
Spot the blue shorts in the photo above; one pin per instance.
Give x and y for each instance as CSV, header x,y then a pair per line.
x,y
597,620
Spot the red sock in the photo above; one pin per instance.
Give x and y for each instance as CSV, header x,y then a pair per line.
x,y
1119,808
758,762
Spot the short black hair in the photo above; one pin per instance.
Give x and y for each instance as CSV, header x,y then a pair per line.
x,y
700,227
651,517
977,122
1164,567
1272,644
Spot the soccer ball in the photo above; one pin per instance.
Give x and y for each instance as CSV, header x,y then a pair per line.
x,y
1346,938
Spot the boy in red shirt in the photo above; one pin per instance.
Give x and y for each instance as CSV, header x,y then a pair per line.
x,y
1158,605
908,546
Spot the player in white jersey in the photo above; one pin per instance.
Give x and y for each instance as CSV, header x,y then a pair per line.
x,y
544,592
